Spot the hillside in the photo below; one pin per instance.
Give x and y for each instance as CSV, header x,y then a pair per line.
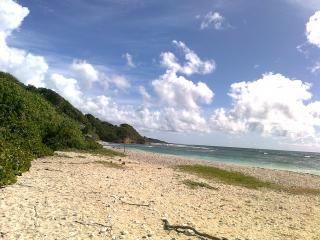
x,y
64,107
35,122
91,125
112,133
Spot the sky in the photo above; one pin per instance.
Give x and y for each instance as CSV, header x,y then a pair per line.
x,y
240,73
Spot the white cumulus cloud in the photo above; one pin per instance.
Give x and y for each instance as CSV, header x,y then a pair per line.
x,y
179,92
119,81
192,65
273,106
29,68
171,119
87,74
11,15
214,19
184,120
179,98
107,109
68,88
313,29
229,122
101,106
85,71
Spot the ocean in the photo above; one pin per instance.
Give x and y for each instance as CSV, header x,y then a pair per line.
x,y
305,162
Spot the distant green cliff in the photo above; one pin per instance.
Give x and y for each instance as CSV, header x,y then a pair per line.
x,y
91,125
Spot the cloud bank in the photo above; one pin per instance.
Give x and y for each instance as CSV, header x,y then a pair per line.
x,y
273,105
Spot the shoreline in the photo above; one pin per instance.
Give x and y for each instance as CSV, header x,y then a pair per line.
x,y
284,177
221,162
76,195
308,171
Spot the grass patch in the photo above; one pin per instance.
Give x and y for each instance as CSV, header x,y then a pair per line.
x,y
240,179
109,164
194,184
229,177
100,152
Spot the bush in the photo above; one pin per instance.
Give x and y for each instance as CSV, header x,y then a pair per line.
x,y
13,161
66,134
31,127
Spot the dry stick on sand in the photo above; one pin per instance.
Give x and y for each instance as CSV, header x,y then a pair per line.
x,y
136,204
52,170
183,229
24,185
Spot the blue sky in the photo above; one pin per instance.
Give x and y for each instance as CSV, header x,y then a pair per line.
x,y
107,57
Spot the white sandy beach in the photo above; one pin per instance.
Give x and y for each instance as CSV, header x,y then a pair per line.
x,y
72,196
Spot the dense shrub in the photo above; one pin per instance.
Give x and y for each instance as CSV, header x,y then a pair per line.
x,y
31,127
13,161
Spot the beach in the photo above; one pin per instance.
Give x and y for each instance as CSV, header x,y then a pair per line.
x,y
84,196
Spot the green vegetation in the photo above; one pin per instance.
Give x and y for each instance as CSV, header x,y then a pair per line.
x,y
228,177
194,184
112,133
90,125
35,122
32,127
61,105
152,140
240,179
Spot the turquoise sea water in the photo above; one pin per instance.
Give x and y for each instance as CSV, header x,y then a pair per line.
x,y
305,162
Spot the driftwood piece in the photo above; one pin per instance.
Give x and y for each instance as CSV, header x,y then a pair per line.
x,y
186,230
52,170
24,185
136,204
